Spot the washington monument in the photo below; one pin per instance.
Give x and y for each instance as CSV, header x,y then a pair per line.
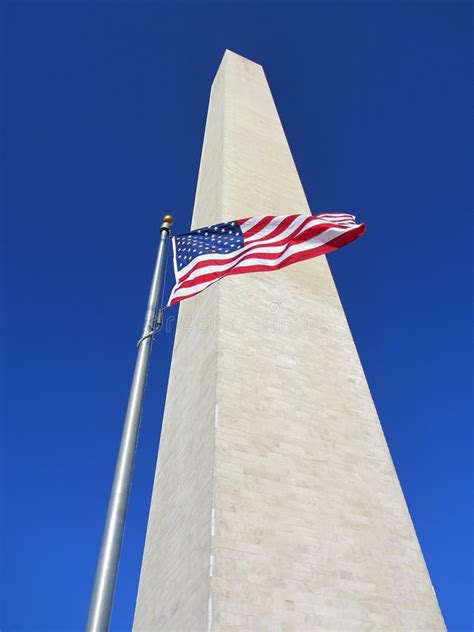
x,y
276,506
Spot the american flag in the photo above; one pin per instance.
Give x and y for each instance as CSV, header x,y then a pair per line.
x,y
256,244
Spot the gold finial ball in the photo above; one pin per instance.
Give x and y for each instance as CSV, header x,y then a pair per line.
x,y
168,219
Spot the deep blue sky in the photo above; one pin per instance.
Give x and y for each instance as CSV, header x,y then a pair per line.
x,y
105,105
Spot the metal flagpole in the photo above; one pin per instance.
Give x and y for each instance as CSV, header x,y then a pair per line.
x,y
106,573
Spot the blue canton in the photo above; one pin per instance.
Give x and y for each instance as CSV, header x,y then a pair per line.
x,y
216,239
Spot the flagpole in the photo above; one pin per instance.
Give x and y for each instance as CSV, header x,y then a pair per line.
x,y
106,572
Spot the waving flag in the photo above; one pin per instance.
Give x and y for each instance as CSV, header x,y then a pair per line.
x,y
256,244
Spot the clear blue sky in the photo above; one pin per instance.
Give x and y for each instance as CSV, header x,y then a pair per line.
x,y
105,106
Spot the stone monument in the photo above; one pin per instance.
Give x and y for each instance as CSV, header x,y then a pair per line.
x,y
276,506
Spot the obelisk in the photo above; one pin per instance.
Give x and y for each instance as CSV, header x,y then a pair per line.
x,y
276,505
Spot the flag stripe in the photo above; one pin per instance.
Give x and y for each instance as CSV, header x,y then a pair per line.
x,y
335,217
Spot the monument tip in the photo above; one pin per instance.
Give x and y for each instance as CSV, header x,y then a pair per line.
x,y
230,53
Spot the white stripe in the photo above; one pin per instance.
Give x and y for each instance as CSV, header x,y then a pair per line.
x,y
337,220
314,242
175,260
335,215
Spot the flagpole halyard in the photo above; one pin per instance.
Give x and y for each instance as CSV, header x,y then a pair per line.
x,y
100,607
